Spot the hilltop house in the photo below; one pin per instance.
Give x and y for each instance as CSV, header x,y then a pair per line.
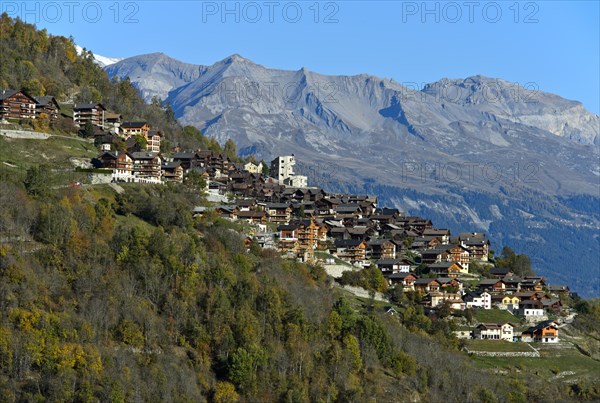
x,y
381,249
112,122
93,113
153,141
443,235
477,245
17,105
121,164
388,266
351,250
47,105
407,280
481,299
532,310
135,129
172,172
544,332
282,169
147,167
494,331
427,285
450,269
279,213
508,302
454,300
253,168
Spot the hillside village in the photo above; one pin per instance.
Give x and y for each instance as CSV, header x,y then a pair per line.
x,y
312,225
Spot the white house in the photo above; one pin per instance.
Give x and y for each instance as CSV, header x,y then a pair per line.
x,y
393,266
282,169
494,331
532,310
478,300
455,300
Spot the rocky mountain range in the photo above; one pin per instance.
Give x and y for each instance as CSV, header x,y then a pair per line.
x,y
477,153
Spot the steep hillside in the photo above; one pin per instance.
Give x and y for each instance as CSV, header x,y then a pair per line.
x,y
121,297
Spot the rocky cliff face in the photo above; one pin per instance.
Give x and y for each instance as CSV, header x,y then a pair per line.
x,y
156,74
477,153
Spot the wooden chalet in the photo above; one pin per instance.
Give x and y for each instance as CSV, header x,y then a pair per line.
x,y
450,282
130,129
351,250
543,332
427,285
454,300
279,213
47,105
172,172
450,269
16,104
255,217
388,266
492,285
188,160
381,249
407,280
147,167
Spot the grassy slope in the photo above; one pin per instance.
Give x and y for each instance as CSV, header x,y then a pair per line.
x,y
497,346
564,363
17,155
495,316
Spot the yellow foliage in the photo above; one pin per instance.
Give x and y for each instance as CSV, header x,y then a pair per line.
x,y
25,320
5,347
225,393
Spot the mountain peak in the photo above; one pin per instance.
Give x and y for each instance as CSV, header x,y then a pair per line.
x,y
236,58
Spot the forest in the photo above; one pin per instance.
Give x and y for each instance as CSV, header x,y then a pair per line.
x,y
127,297
108,296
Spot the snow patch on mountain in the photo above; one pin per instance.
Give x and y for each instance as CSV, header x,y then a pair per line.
x,y
100,60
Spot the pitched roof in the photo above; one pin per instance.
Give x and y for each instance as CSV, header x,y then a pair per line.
x,y
7,94
425,281
286,228
88,106
184,156
43,101
400,276
379,242
144,155
110,154
499,271
541,326
441,265
171,165
446,280
386,262
112,116
251,214
347,242
277,205
493,325
137,125
436,231
487,281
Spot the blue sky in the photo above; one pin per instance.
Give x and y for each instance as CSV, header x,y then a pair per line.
x,y
551,45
